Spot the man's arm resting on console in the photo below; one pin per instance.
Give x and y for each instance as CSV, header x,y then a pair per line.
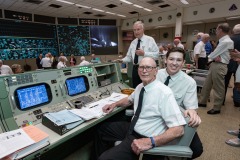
x,y
142,144
122,103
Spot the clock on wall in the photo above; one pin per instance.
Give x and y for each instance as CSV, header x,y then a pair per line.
x,y
211,10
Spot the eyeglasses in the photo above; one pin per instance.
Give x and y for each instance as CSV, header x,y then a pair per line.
x,y
147,68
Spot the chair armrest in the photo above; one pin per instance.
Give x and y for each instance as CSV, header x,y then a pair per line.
x,y
171,150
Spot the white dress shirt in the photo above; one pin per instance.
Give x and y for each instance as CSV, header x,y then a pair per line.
x,y
221,50
183,86
5,70
84,63
46,62
147,44
61,65
200,49
160,110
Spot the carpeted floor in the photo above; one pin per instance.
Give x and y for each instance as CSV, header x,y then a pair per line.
x,y
213,131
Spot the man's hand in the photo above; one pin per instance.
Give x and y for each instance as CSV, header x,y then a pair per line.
x,y
108,108
217,59
118,60
142,144
235,54
139,52
195,120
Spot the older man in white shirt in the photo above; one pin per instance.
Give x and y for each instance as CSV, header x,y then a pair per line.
x,y
5,69
61,63
200,52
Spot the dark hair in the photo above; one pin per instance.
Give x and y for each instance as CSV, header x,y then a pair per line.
x,y
225,27
176,49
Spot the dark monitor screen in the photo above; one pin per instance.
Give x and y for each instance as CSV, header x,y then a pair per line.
x,y
77,85
31,96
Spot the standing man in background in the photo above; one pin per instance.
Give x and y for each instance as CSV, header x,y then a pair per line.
x,y
38,60
200,52
46,62
218,70
5,69
141,46
177,43
61,63
83,61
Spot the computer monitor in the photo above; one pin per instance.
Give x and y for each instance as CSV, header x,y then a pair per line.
x,y
77,85
28,97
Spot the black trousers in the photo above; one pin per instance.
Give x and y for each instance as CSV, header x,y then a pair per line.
x,y
202,63
196,146
110,132
135,77
227,80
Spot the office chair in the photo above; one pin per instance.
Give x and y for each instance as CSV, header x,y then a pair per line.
x,y
180,150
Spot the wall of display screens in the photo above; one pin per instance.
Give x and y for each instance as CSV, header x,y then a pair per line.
x,y
74,40
23,40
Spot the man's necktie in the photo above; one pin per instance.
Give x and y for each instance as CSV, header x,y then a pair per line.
x,y
167,80
137,113
136,56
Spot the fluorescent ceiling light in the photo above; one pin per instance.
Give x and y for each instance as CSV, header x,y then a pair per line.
x,y
110,13
82,6
137,6
95,9
146,9
65,1
126,1
184,1
121,15
236,17
193,23
160,27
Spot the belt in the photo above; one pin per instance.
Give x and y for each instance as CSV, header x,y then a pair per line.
x,y
219,62
137,135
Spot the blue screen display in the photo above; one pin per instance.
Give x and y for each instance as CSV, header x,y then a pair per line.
x,y
76,86
32,96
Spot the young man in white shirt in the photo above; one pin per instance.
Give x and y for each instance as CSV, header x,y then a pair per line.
x,y
185,91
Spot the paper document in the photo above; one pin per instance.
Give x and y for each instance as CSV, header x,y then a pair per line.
x,y
94,110
22,142
12,141
117,96
62,117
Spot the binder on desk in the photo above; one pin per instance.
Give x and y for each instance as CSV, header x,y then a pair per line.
x,y
61,122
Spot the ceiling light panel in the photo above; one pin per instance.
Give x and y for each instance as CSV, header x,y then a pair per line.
x,y
125,1
99,10
82,6
63,1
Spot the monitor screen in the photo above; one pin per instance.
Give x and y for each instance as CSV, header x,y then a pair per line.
x,y
104,40
31,96
77,85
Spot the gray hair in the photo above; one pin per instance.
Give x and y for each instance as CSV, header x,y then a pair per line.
x,y
236,29
82,58
139,23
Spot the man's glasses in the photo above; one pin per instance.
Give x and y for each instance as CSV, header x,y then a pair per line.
x,y
147,68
